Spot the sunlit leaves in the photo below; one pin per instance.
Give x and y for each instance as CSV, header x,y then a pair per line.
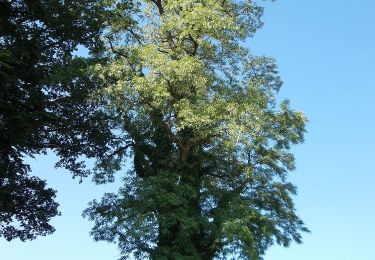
x,y
209,139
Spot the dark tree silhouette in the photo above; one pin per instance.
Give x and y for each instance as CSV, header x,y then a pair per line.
x,y
43,101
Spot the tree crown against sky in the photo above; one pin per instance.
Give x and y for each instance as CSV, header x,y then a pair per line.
x,y
43,101
197,114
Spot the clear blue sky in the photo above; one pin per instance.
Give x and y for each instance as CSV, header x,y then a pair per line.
x,y
326,56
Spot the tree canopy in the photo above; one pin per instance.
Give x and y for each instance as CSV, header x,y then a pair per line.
x,y
44,94
198,115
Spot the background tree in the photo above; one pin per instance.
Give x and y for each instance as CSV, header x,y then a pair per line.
x,y
197,113
44,94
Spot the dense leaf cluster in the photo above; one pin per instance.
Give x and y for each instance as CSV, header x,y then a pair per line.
x,y
169,86
199,118
44,104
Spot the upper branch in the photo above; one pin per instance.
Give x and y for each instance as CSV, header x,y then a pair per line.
x,y
159,5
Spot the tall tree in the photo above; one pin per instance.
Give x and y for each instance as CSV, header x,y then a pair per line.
x,y
198,115
43,101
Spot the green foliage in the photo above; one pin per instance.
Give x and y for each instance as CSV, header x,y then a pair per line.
x,y
44,94
198,115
